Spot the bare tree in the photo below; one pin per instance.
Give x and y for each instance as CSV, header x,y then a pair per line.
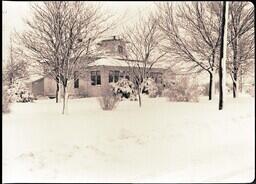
x,y
59,34
16,67
242,41
143,50
223,55
192,35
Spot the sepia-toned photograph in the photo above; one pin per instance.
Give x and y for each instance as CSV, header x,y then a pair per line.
x,y
128,92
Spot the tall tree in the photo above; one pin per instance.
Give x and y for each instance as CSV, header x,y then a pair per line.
x,y
241,27
192,35
16,67
143,49
59,34
223,55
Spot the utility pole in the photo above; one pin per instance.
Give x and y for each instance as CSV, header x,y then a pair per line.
x,y
223,53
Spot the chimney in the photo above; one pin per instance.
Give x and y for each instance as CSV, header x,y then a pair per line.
x,y
114,37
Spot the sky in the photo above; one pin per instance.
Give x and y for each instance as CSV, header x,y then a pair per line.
x,y
14,13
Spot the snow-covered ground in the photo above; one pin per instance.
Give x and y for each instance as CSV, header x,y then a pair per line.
x,y
161,142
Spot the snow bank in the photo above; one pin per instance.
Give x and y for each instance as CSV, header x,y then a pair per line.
x,y
161,142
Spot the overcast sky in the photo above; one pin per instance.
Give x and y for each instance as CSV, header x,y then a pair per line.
x,y
14,13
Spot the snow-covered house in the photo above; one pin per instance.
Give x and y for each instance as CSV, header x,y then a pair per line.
x,y
110,67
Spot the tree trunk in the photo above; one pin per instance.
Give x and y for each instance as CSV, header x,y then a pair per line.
x,y
235,67
212,74
235,84
139,96
211,84
57,92
65,99
215,83
222,64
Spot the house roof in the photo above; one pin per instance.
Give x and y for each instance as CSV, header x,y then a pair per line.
x,y
34,78
109,61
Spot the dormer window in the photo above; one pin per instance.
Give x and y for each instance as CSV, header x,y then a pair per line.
x,y
120,49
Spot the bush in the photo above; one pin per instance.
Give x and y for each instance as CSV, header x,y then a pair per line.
x,y
150,87
19,93
108,100
251,90
125,89
6,101
205,89
184,90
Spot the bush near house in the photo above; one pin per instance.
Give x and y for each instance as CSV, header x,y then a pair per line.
x,y
150,87
183,90
205,89
125,89
108,100
19,93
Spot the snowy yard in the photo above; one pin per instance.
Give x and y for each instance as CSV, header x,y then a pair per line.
x,y
161,142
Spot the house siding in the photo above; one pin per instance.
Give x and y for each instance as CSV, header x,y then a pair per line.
x,y
38,87
82,90
49,87
98,90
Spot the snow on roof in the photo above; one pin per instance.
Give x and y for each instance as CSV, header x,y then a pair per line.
x,y
109,61
34,78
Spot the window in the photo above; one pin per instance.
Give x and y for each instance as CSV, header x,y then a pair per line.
x,y
114,76
95,78
122,74
76,80
98,78
111,76
120,49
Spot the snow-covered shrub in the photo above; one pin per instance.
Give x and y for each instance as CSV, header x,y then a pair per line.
x,y
204,89
251,90
18,92
6,101
125,89
150,87
184,90
108,100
